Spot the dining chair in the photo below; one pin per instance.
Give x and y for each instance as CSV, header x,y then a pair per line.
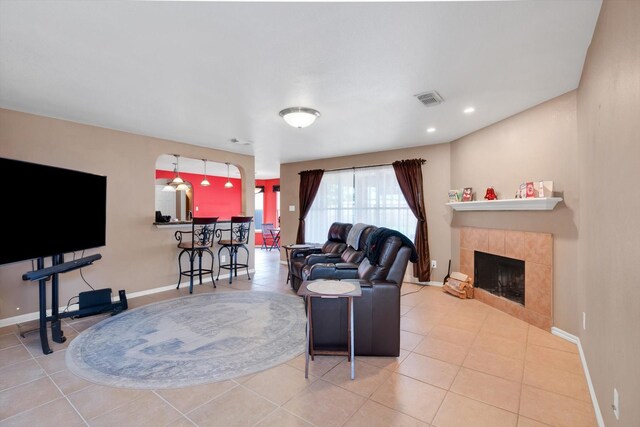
x,y
267,235
275,234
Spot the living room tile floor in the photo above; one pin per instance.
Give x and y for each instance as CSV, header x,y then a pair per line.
x,y
462,363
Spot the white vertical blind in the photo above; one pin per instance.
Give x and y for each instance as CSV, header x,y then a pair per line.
x,y
366,195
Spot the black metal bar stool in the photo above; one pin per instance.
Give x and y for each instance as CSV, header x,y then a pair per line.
x,y
232,239
194,244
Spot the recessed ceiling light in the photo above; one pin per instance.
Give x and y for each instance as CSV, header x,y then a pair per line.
x,y
430,130
469,110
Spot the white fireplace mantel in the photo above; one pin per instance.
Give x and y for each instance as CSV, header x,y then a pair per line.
x,y
531,204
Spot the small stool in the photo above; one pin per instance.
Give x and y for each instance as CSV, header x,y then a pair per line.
x,y
238,237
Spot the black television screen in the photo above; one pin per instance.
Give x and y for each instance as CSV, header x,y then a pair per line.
x,y
52,210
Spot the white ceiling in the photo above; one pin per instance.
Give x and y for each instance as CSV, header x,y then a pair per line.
x,y
206,72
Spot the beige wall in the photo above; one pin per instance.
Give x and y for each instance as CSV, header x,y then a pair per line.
x,y
436,183
138,256
538,144
609,157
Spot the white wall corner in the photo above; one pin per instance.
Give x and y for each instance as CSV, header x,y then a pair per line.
x,y
574,339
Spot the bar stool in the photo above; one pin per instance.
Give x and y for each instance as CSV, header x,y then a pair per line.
x,y
194,244
238,237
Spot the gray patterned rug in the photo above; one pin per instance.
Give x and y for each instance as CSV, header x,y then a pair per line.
x,y
191,340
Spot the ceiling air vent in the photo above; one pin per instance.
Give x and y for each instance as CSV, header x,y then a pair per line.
x,y
430,98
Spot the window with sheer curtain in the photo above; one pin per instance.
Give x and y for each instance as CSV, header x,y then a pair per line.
x,y
366,195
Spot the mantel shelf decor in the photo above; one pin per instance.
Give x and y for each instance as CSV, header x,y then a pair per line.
x,y
530,204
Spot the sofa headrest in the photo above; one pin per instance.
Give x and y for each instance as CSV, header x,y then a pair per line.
x,y
339,231
357,237
391,262
355,254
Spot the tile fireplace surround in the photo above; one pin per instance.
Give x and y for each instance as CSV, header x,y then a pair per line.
x,y
535,249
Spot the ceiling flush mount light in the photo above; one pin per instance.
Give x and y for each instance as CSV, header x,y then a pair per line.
x,y
469,110
431,130
228,184
299,117
205,182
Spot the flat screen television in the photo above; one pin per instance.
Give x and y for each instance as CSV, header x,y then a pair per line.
x,y
52,210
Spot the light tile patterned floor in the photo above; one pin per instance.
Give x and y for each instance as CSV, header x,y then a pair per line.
x,y
462,363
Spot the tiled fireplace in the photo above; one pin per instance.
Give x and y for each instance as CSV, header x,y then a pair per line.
x,y
535,249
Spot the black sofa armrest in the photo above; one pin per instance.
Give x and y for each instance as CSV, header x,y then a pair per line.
x,y
303,253
329,271
346,266
319,271
322,258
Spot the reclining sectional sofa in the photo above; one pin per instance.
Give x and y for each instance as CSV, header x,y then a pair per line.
x,y
378,264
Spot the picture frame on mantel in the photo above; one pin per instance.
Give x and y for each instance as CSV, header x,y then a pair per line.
x,y
467,194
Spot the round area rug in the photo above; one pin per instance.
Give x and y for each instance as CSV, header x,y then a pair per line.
x,y
191,340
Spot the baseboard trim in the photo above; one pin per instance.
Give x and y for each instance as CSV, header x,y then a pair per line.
x,y
28,317
575,340
430,283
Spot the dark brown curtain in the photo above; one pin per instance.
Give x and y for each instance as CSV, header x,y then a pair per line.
x,y
409,175
309,184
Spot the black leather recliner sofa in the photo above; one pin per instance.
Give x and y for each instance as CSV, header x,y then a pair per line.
x,y
377,311
346,267
329,252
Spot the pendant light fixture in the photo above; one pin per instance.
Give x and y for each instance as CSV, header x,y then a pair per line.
x,y
299,117
228,184
205,182
169,186
177,180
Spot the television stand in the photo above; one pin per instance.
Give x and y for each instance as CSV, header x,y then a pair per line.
x,y
42,275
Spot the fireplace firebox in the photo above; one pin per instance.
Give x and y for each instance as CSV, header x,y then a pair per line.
x,y
499,275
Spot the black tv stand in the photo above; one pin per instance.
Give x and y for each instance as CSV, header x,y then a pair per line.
x,y
42,275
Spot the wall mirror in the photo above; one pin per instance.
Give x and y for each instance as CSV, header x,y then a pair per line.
x,y
187,187
173,204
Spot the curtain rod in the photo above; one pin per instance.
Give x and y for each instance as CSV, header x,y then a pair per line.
x,y
358,167
368,166
423,161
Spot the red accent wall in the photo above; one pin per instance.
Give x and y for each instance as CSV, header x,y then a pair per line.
x,y
214,200
270,200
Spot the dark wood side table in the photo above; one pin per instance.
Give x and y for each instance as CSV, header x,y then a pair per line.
x,y
309,295
287,250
